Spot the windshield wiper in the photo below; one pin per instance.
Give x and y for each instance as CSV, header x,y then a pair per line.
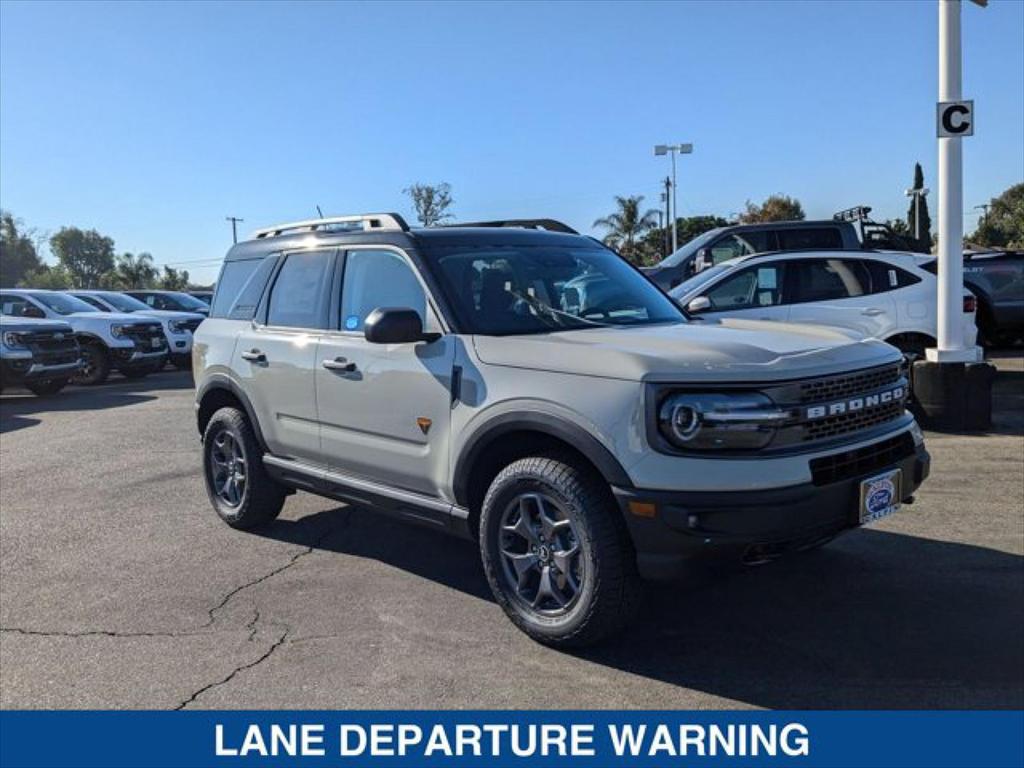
x,y
555,314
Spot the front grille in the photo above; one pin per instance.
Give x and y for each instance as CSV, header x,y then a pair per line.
x,y
48,349
861,461
852,384
843,424
147,336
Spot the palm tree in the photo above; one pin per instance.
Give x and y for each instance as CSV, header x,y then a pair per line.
x,y
136,271
627,225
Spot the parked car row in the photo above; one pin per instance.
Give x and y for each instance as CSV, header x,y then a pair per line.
x,y
107,330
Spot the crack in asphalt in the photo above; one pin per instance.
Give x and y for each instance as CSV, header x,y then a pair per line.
x,y
237,670
211,613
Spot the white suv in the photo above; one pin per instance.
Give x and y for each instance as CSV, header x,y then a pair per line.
x,y
134,346
178,326
880,295
534,391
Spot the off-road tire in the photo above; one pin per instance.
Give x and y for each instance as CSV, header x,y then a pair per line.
x,y
136,373
46,388
262,498
96,367
609,592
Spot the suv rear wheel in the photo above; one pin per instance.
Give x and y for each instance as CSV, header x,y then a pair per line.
x,y
241,491
556,552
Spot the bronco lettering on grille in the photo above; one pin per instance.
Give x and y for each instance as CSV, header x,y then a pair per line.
x,y
854,404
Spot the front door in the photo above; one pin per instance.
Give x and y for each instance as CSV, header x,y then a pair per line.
x,y
277,355
384,409
753,293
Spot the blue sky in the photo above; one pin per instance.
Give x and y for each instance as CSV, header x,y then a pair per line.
x,y
152,122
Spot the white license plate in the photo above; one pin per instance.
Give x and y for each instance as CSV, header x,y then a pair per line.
x,y
880,496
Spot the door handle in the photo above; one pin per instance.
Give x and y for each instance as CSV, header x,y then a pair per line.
x,y
254,356
873,311
339,364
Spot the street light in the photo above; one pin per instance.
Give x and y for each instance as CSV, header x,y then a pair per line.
x,y
673,149
917,193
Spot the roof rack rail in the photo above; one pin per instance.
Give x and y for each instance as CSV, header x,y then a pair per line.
x,y
551,225
367,221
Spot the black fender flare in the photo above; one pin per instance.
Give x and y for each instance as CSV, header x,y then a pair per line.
x,y
224,383
532,421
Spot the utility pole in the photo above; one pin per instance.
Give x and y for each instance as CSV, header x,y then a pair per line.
x,y
668,213
234,227
984,211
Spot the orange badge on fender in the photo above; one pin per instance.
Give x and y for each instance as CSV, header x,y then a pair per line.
x,y
424,424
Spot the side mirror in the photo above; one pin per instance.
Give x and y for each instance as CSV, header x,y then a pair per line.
x,y
698,305
396,325
31,311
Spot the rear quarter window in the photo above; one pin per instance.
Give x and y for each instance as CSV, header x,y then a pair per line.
x,y
240,288
812,238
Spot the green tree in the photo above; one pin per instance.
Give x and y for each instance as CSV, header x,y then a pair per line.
x,y
431,202
85,254
774,208
899,227
925,239
135,271
627,226
173,279
18,256
55,278
1003,225
652,246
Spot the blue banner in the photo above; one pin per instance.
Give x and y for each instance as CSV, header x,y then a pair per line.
x,y
489,739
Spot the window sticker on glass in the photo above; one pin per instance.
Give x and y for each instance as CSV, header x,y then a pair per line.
x,y
351,322
766,278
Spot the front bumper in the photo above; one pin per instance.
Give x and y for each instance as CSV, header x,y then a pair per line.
x,y
18,370
670,527
132,357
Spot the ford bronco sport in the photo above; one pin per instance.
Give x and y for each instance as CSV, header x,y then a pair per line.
x,y
534,391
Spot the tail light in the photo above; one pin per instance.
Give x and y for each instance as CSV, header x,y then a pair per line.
x,y
970,304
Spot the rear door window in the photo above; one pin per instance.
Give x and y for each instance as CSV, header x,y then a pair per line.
x,y
829,279
298,298
812,238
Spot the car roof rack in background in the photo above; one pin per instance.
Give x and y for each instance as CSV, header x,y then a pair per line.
x,y
551,225
364,221
857,213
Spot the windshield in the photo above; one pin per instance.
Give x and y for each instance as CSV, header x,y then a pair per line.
x,y
187,302
689,248
503,290
699,280
63,304
123,303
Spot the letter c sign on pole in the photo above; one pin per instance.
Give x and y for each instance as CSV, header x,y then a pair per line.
x,y
954,118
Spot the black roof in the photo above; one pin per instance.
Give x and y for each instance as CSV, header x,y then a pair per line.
x,y
447,236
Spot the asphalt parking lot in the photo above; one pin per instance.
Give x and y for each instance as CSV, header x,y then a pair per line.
x,y
120,588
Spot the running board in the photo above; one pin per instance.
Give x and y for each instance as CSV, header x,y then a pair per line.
x,y
407,505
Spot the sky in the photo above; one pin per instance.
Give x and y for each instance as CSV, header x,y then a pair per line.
x,y
153,122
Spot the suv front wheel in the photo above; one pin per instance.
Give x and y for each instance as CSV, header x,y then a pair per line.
x,y
556,552
241,491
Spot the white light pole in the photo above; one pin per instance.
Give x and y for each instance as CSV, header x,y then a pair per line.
x,y
917,194
673,149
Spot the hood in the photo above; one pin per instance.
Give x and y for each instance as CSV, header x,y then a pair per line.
x,y
168,314
112,317
720,350
25,324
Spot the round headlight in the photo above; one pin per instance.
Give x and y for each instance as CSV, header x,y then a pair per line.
x,y
117,331
685,422
13,340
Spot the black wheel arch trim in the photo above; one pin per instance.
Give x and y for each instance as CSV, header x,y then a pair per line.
x,y
86,337
225,383
531,421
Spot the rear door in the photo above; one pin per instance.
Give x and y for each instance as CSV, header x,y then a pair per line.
x,y
276,354
384,409
838,292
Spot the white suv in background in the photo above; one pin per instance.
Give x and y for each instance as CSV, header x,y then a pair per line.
x,y
133,345
879,295
178,326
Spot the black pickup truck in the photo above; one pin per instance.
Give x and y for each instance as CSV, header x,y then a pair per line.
x,y
849,230
996,278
